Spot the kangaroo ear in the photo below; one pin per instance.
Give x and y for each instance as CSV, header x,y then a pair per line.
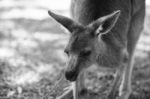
x,y
104,24
68,23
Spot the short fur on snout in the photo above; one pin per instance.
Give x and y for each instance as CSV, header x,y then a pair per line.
x,y
87,45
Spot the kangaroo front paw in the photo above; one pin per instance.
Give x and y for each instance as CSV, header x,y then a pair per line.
x,y
112,95
124,95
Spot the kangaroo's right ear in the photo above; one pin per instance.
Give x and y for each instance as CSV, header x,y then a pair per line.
x,y
68,23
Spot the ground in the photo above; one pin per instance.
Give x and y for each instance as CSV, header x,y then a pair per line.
x,y
32,59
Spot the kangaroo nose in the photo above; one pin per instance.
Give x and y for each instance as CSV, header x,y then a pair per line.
x,y
71,76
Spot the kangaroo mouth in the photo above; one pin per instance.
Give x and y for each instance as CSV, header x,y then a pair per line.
x,y
71,76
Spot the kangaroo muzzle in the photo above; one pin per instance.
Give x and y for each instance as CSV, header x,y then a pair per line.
x,y
72,70
71,75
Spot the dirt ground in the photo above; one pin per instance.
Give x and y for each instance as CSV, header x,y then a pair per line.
x,y
32,59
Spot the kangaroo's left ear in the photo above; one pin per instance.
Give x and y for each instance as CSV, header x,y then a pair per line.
x,y
104,24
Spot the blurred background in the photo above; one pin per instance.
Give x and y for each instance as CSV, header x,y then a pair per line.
x,y
31,51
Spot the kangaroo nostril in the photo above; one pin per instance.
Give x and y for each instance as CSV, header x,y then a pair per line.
x,y
71,76
67,75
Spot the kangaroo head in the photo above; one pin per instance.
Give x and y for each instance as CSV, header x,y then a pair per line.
x,y
85,42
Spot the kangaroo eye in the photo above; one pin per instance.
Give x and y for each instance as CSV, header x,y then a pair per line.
x,y
67,52
85,53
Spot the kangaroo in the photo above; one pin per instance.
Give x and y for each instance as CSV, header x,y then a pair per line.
x,y
103,33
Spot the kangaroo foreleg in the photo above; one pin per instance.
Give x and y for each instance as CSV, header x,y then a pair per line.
x,y
116,83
